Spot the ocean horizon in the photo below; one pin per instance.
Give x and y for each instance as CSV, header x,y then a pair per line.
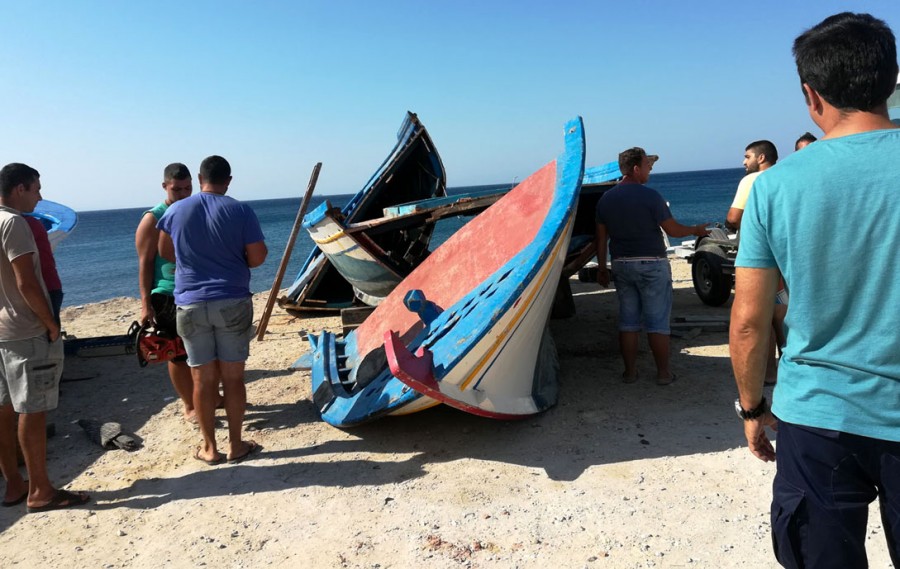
x,y
98,260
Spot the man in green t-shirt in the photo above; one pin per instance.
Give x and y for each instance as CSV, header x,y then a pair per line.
x,y
157,279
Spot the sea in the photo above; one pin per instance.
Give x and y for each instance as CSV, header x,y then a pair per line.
x,y
98,260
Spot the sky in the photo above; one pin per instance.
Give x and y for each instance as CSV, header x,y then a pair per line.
x,y
100,95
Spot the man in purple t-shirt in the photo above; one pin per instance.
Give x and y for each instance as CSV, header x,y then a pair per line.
x,y
214,241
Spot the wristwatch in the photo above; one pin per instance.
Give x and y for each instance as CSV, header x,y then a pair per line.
x,y
750,414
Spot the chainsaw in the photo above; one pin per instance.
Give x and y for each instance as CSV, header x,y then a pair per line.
x,y
153,347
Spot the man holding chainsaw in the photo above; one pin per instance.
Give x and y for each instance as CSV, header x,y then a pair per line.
x,y
215,241
156,276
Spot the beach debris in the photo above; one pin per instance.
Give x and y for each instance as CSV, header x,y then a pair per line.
x,y
108,435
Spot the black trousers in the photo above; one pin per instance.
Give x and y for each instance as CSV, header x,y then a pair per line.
x,y
824,484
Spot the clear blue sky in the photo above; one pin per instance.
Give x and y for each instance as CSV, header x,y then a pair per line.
x,y
100,96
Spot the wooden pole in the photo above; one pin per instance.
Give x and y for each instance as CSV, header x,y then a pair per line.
x,y
276,286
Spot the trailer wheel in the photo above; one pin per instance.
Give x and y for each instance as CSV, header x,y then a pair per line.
x,y
711,284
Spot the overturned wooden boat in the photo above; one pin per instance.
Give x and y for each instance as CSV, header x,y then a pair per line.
x,y
412,171
375,255
475,313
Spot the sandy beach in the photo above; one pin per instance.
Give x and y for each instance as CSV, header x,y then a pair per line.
x,y
616,475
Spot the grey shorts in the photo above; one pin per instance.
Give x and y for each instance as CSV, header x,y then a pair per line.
x,y
216,330
31,370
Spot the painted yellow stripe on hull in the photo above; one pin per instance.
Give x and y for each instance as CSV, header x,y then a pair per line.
x,y
541,279
330,239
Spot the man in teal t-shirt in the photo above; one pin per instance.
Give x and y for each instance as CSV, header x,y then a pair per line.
x,y
827,218
157,278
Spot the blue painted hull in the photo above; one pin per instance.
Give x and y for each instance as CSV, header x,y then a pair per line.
x,y
351,380
58,220
412,171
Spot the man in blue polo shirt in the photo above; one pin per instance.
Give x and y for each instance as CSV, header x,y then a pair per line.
x,y
827,218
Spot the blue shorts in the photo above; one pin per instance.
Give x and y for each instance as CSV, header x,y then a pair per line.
x,y
29,374
216,330
644,288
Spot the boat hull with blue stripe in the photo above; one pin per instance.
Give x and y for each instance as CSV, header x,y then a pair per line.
x,y
412,171
483,296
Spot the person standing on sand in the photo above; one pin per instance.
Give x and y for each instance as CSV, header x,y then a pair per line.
x,y
827,218
156,278
31,351
630,216
214,241
759,156
48,265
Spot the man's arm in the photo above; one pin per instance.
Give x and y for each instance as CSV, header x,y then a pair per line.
x,y
256,253
165,247
30,288
675,229
751,321
733,219
600,239
146,241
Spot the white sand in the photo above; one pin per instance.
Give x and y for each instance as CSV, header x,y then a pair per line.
x,y
615,476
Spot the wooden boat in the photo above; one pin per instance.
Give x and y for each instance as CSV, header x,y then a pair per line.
x,y
57,219
372,267
475,311
412,171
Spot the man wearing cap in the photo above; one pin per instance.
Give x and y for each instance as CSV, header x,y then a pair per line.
x,y
630,216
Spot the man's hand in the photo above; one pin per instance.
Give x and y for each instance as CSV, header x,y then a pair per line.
x,y
53,332
757,439
148,316
603,276
701,230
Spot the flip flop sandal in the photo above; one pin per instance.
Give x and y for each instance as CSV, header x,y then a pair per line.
x,y
254,449
220,458
61,500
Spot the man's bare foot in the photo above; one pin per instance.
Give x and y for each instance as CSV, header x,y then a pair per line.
x,y
190,416
15,494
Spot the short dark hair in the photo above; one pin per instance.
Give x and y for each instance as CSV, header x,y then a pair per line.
x,y
850,60
215,170
14,174
806,137
176,171
630,158
765,148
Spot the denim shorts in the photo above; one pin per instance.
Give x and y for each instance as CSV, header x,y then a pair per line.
x,y
30,371
644,288
216,330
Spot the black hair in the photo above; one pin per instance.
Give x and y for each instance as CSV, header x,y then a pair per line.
x,y
806,137
850,60
765,148
14,174
630,158
176,171
215,170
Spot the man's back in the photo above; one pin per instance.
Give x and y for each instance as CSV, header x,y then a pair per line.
x,y
832,222
210,233
632,214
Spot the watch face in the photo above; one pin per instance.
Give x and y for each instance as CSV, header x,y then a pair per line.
x,y
738,409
